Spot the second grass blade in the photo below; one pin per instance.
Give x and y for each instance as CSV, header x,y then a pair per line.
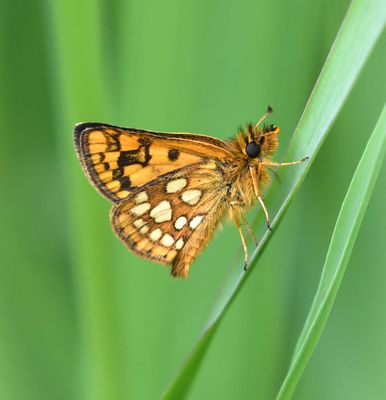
x,y
342,242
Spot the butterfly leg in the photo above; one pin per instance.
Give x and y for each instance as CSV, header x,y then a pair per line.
x,y
259,197
236,220
245,222
284,164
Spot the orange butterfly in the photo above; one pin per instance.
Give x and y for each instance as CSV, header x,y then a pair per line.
x,y
171,190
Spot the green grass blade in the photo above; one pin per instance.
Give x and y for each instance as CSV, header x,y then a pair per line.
x,y
342,242
359,32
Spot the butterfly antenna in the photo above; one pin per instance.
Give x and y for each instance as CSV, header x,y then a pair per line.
x,y
269,111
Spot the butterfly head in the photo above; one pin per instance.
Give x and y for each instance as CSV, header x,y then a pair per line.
x,y
258,142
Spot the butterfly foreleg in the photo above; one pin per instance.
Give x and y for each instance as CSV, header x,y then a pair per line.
x,y
283,164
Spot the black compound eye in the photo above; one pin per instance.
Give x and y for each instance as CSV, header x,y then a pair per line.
x,y
252,149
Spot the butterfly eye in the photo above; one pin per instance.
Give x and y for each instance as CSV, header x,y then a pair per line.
x,y
252,150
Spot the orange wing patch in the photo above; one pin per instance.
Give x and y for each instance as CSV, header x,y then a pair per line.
x,y
119,161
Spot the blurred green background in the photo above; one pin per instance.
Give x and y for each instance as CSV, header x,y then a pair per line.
x,y
81,317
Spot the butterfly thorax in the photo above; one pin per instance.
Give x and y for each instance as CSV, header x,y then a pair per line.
x,y
250,148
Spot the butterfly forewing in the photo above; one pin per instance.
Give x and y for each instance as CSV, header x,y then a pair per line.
x,y
119,161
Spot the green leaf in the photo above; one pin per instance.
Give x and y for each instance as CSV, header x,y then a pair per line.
x,y
342,242
358,33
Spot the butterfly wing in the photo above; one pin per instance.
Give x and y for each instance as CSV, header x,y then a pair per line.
x,y
119,161
169,188
170,221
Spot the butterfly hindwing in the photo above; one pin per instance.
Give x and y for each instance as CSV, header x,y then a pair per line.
x,y
121,160
168,220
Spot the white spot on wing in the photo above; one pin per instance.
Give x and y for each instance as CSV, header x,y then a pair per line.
x,y
155,235
144,230
141,225
140,209
196,221
180,222
167,240
162,212
191,197
179,244
141,197
138,223
176,185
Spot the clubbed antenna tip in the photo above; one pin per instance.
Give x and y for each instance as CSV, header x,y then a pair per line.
x,y
268,112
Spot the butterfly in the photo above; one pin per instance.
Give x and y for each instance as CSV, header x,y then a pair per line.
x,y
170,191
